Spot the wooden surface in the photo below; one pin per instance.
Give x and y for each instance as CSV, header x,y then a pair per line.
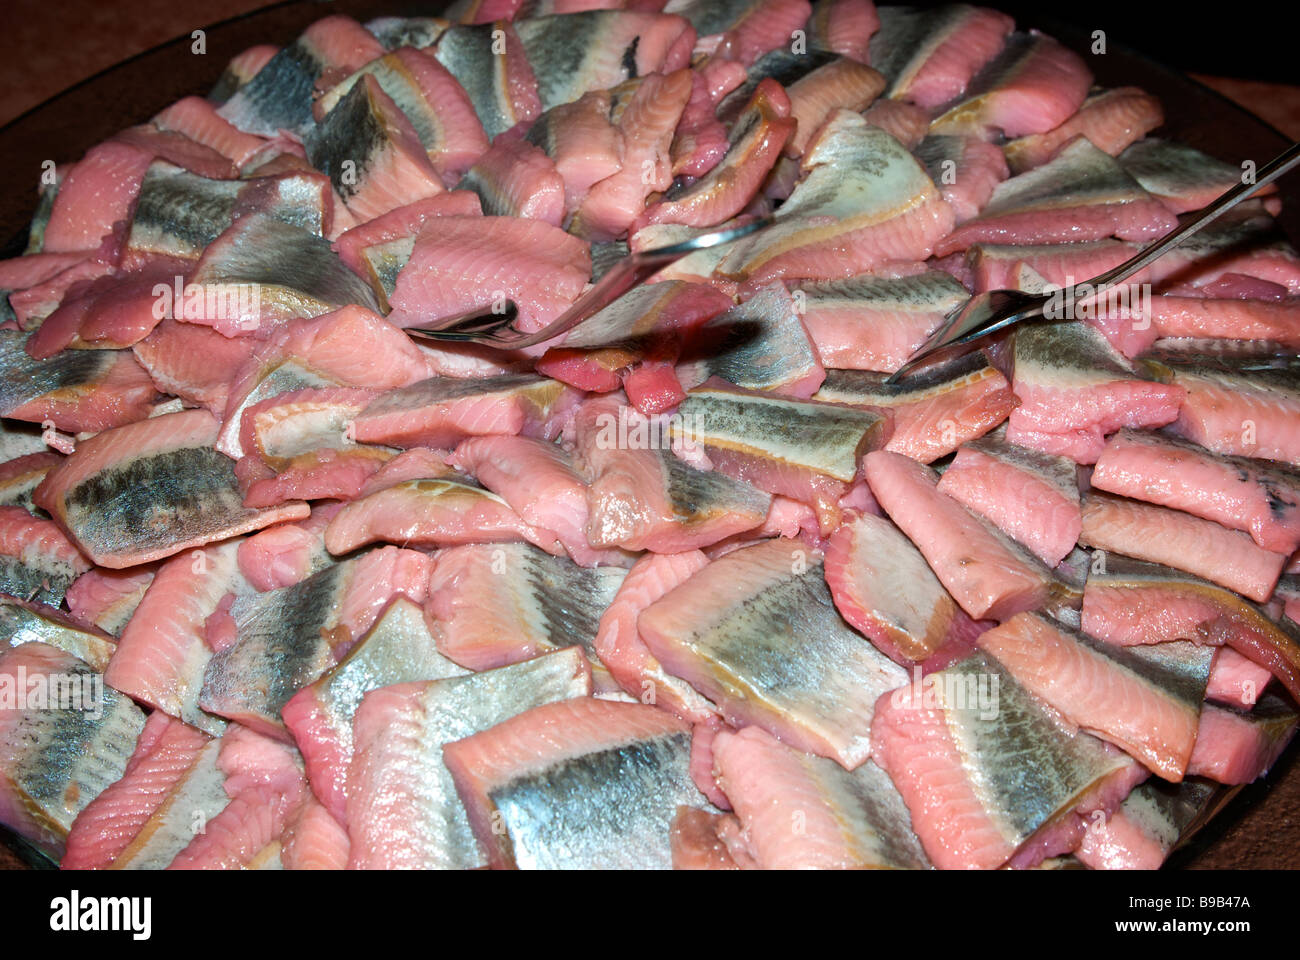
x,y
46,47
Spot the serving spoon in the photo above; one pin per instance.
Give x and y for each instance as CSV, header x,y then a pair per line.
x,y
987,313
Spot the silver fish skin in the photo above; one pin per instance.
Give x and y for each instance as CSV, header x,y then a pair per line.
x,y
283,643
199,797
36,623
396,32
40,219
404,757
53,762
1059,472
1167,168
908,37
23,379
1080,172
468,53
781,65
278,96
760,344
868,388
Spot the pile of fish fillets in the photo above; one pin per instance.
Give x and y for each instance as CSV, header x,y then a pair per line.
x,y
693,587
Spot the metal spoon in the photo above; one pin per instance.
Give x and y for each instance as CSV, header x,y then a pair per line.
x,y
987,313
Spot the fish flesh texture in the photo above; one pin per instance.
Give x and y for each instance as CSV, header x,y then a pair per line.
x,y
876,322
197,118
1033,497
1032,86
152,489
930,56
279,95
402,807
1151,822
988,574
905,122
459,264
572,53
287,553
583,143
514,178
541,603
757,633
494,72
1081,194
883,587
742,30
800,449
96,193
843,26
966,170
442,411
934,410
1181,540
995,266
1236,681
314,840
540,482
1132,602
1111,120
77,391
576,784
193,362
993,779
62,744
1277,321
801,812
1238,402
1074,388
1257,496
1144,699
171,786
398,648
37,560
641,496
1235,747
863,201
267,646
760,344
440,111
844,84
620,649
108,598
754,145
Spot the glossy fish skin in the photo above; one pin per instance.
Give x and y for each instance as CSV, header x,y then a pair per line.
x,y
1033,497
642,496
388,163
965,169
402,808
1201,547
799,449
882,204
1180,176
760,344
572,53
577,784
440,111
756,631
26,622
501,85
1132,602
1146,700
929,56
79,390
582,141
53,762
397,32
781,65
1074,388
977,799
935,410
542,603
294,273
883,587
841,84
852,820
514,178
152,489
1258,496
1080,194
270,645
279,96
743,30
871,322
1241,398
399,648
37,560
988,574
